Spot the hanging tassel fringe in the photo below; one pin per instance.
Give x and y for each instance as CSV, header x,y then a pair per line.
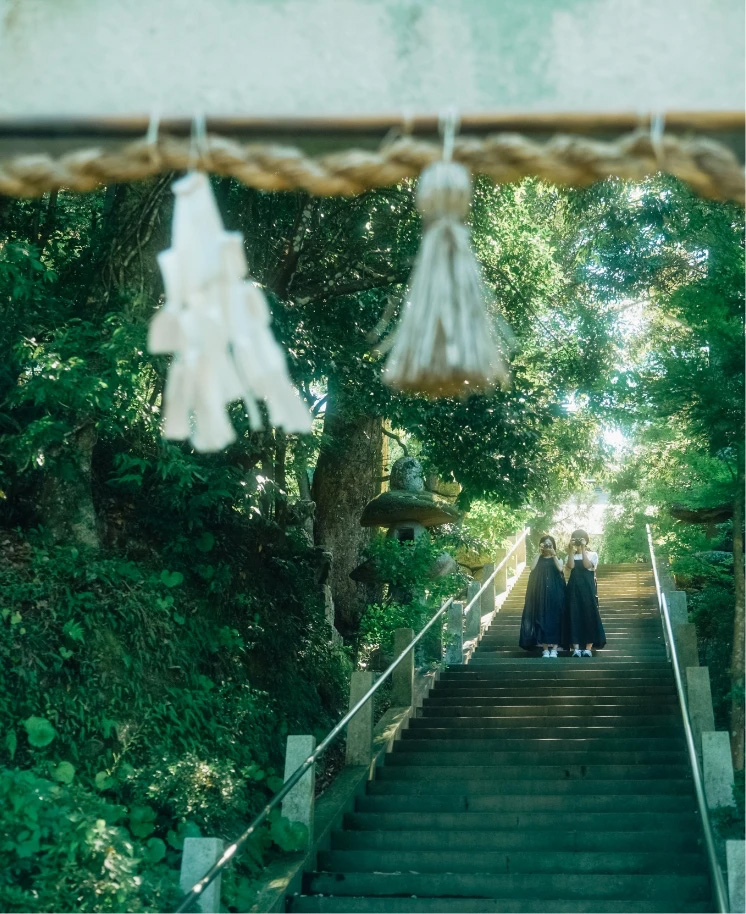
x,y
446,344
216,323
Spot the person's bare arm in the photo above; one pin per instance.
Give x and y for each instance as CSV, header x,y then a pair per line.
x,y
535,561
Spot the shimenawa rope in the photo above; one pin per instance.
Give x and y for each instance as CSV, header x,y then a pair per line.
x,y
710,168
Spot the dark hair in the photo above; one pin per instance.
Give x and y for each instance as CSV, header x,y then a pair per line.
x,y
581,535
548,537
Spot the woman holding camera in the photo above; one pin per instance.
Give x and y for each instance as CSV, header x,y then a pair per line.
x,y
581,624
545,598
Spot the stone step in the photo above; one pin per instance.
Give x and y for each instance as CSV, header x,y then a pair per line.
x,y
552,708
540,742
531,839
523,803
495,785
453,861
558,673
524,703
447,721
523,663
628,774
572,689
546,731
403,755
663,888
317,904
673,822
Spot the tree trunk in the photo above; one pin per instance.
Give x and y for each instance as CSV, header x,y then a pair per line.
x,y
66,496
347,476
737,657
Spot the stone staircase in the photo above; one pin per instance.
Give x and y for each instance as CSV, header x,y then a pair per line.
x,y
531,784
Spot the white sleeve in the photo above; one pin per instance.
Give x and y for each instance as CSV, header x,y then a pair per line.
x,y
593,556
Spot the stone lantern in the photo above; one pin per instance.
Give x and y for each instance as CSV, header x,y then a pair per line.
x,y
407,510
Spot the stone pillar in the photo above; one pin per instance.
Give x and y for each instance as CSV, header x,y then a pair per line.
x,y
473,622
501,578
735,852
699,703
520,552
686,647
298,805
360,728
677,608
198,856
488,596
717,769
455,634
402,679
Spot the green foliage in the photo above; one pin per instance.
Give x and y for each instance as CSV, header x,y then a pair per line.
x,y
175,722
412,595
66,849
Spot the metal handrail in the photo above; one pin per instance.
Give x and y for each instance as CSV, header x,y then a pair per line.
x,y
230,852
719,888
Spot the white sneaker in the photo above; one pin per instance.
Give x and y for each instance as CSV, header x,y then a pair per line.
x,y
553,652
545,653
577,652
587,653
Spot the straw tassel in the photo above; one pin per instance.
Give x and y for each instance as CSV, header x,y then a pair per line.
x,y
216,323
446,344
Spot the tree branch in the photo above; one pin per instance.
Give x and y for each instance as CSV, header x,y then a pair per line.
x,y
398,440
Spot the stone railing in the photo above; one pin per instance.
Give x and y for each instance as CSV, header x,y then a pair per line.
x,y
367,743
713,750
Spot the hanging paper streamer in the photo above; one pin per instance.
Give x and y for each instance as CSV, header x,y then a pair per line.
x,y
446,344
217,325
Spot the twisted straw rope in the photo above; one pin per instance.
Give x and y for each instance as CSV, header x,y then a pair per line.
x,y
710,168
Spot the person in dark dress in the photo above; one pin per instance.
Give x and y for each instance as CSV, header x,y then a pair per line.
x,y
541,622
581,622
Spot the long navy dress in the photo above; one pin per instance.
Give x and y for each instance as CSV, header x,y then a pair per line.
x,y
542,612
581,621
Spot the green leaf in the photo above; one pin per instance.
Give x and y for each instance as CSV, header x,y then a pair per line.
x,y
64,773
65,653
40,731
16,618
142,821
74,631
155,850
11,743
205,542
179,619
288,836
171,578
103,781
175,837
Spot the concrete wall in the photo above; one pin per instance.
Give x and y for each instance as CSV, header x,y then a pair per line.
x,y
273,57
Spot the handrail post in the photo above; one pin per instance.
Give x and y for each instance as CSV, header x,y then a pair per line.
x,y
455,637
402,679
359,749
198,856
520,553
473,623
734,850
298,805
488,594
717,768
501,578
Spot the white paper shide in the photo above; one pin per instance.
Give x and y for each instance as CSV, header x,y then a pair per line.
x,y
216,323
